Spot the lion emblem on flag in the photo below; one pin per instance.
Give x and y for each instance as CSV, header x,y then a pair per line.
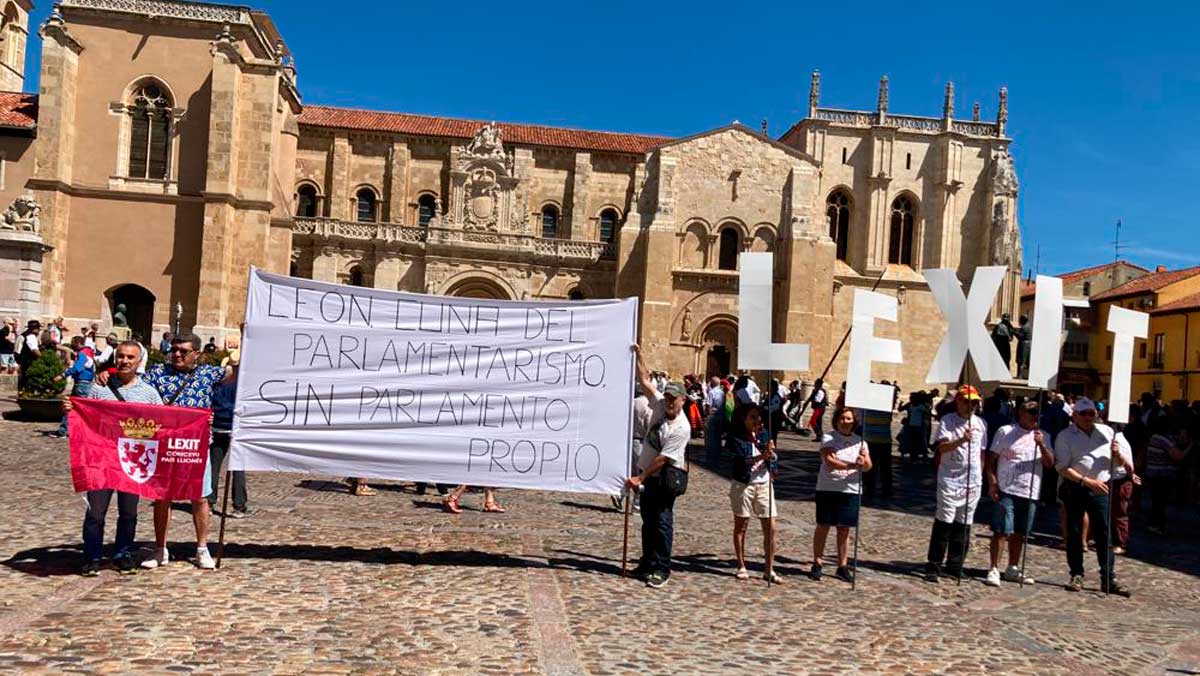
x,y
138,450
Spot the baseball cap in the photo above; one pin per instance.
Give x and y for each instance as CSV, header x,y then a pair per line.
x,y
969,393
1084,404
674,389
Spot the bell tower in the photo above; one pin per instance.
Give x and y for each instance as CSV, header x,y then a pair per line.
x,y
14,32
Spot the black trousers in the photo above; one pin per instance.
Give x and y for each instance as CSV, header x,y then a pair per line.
x,y
948,544
217,451
658,527
881,469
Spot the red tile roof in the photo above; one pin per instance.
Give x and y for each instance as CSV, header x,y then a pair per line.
x,y
1185,304
18,109
1148,284
528,134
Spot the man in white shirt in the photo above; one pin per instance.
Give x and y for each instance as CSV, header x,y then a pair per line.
x,y
752,388
959,443
664,451
714,424
1083,455
1014,472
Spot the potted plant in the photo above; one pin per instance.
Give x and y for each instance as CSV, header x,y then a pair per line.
x,y
41,397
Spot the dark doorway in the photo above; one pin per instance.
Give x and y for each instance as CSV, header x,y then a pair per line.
x,y
718,362
139,308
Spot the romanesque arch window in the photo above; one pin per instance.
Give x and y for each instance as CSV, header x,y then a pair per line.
x,y
837,210
150,109
608,224
426,208
306,201
368,205
728,253
549,221
900,237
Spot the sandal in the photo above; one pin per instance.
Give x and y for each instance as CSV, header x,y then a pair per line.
x,y
493,507
742,573
363,489
451,505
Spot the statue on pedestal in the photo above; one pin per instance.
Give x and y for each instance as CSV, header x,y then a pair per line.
x,y
119,319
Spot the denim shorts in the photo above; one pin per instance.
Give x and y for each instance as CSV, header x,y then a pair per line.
x,y
8,360
1013,515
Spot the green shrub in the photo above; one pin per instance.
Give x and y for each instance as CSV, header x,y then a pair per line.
x,y
155,357
39,377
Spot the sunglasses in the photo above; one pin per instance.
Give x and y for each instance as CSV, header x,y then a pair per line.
x,y
182,351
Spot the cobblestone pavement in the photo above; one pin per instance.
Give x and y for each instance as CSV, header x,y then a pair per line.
x,y
319,581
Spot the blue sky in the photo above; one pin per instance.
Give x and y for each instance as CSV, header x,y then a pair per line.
x,y
1103,101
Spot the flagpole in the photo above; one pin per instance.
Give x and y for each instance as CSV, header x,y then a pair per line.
x,y
224,511
857,517
770,489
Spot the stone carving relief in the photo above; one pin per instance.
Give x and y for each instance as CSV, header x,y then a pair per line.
x,y
485,192
1004,175
1002,234
22,215
685,332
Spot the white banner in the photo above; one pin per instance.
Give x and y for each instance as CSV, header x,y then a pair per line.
x,y
347,381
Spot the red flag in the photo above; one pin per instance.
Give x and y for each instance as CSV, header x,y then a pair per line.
x,y
157,452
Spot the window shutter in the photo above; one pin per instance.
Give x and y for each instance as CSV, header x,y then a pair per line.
x,y
160,146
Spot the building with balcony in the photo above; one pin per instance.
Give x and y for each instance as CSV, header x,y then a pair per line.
x,y
173,151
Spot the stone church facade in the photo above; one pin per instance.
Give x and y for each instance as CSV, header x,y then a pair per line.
x,y
169,149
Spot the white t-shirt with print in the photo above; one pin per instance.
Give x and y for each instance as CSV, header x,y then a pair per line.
x,y
1019,462
952,468
846,448
673,433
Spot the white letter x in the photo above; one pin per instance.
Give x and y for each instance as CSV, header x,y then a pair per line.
x,y
965,319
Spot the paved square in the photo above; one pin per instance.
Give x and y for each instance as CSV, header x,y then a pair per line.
x,y
320,581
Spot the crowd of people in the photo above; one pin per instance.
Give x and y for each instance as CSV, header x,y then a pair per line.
x,y
999,447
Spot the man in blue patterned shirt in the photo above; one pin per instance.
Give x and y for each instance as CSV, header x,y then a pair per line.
x,y
183,382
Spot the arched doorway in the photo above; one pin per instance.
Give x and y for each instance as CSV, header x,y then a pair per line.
x,y
719,341
477,287
139,308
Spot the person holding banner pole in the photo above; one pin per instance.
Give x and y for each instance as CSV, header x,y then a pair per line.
x,y
125,385
751,490
844,459
1084,458
1014,472
959,439
182,382
663,475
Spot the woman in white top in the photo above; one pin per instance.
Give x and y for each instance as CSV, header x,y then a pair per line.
x,y
844,457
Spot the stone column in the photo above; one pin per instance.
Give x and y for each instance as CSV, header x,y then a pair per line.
x,y
339,179
21,255
395,191
54,154
805,260
578,225
655,326
325,263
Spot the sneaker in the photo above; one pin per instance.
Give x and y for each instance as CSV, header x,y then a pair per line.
x,y
639,573
932,573
1013,574
815,571
90,569
618,502
742,573
1076,583
125,565
160,558
1113,587
993,578
773,577
657,580
844,574
1118,551
242,513
204,560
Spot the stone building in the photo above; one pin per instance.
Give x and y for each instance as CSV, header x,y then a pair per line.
x,y
173,151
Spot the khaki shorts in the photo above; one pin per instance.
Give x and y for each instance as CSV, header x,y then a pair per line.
x,y
749,500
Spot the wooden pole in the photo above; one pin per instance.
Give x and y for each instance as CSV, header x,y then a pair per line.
x,y
625,545
224,511
857,525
